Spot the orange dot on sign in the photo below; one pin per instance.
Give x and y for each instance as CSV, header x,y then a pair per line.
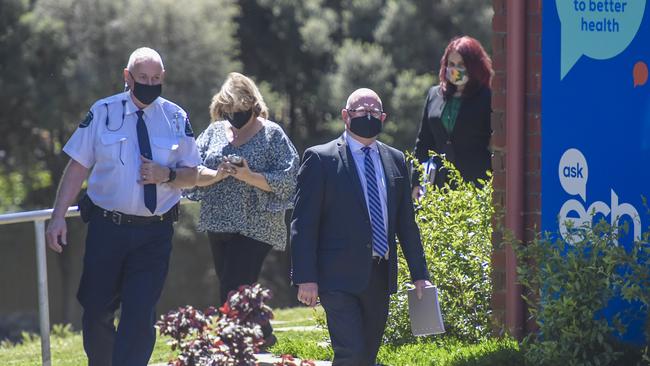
x,y
640,73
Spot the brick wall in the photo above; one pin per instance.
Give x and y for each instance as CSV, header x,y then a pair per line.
x,y
532,144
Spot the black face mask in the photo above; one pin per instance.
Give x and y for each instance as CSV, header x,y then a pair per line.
x,y
366,126
239,119
146,93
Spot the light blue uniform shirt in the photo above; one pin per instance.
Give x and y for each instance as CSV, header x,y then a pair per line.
x,y
359,161
107,142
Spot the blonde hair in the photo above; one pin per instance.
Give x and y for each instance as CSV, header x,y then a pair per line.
x,y
238,93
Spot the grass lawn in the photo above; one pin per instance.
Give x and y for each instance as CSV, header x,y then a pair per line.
x,y
67,349
310,345
447,353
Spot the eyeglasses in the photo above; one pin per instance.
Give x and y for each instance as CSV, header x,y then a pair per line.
x,y
358,112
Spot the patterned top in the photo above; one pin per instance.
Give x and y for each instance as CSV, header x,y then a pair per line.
x,y
232,206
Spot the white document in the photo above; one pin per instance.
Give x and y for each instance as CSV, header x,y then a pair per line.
x,y
425,315
430,169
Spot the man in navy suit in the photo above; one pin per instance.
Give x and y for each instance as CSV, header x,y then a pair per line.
x,y
353,197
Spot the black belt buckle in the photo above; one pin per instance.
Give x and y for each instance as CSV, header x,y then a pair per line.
x,y
377,259
116,217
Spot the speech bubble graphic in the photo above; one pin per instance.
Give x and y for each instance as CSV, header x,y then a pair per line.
x,y
573,172
599,29
640,73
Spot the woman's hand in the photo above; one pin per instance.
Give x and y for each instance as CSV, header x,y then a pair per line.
x,y
242,172
224,170
246,175
208,177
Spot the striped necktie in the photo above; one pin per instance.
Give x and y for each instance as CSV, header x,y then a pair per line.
x,y
145,150
379,238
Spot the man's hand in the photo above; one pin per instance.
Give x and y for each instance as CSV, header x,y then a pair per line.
x,y
152,172
308,293
419,285
56,234
73,176
416,193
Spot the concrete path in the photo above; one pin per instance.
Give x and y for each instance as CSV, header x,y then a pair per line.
x,y
305,328
267,359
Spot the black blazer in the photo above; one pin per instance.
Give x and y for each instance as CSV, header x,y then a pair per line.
x,y
468,144
331,236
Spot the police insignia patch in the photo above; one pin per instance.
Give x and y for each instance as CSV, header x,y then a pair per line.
x,y
188,128
86,122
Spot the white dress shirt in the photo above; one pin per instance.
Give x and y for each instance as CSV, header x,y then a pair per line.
x,y
359,161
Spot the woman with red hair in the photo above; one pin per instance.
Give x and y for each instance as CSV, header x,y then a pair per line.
x,y
456,118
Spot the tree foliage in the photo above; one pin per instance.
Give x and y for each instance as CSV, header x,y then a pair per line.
x,y
315,53
59,56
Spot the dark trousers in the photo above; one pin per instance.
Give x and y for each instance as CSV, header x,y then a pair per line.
x,y
123,265
356,322
238,261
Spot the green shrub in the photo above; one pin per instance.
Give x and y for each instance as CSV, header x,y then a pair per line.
x,y
569,285
456,230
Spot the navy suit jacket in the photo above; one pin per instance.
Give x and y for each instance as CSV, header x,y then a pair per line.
x,y
331,236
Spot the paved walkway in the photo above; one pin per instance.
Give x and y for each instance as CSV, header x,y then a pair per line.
x,y
305,328
267,359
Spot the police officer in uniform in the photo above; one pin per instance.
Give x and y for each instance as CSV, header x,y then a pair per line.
x,y
139,150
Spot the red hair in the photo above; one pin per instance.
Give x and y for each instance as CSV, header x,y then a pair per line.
x,y
477,62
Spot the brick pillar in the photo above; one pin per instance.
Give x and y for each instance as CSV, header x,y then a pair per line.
x,y
532,164
533,181
498,160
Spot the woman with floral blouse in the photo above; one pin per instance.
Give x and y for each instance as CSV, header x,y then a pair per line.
x,y
245,184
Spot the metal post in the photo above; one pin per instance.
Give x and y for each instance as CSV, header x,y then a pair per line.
x,y
43,302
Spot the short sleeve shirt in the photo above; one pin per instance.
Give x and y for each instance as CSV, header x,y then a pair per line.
x,y
232,206
106,142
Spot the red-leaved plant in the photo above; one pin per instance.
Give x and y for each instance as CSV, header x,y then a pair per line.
x,y
229,336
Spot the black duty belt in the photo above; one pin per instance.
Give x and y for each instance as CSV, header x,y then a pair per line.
x,y
119,218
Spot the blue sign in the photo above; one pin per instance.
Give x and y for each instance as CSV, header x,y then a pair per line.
x,y
596,116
